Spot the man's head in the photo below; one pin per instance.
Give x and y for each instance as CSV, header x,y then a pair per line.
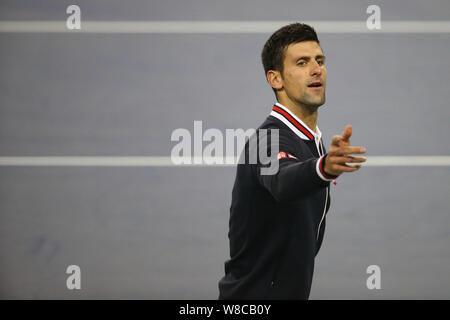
x,y
295,65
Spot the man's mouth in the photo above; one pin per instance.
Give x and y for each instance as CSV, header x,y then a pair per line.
x,y
315,84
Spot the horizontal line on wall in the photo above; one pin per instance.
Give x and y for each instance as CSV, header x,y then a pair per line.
x,y
221,26
372,161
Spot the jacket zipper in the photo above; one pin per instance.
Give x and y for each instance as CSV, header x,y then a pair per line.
x,y
326,197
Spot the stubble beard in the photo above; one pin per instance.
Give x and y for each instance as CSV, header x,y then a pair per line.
x,y
312,103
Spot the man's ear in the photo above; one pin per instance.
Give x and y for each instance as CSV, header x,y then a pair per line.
x,y
274,79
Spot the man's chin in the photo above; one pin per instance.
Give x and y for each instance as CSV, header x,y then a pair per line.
x,y
315,103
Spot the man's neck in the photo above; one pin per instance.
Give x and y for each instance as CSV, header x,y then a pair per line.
x,y
307,114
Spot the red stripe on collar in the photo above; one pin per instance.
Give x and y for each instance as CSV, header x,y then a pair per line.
x,y
294,122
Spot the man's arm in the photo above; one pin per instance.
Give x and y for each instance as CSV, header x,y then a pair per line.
x,y
296,178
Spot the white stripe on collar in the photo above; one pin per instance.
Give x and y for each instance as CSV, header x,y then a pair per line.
x,y
294,123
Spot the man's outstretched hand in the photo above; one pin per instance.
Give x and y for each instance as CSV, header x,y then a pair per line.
x,y
339,154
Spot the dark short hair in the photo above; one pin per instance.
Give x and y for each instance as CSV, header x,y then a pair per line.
x,y
274,50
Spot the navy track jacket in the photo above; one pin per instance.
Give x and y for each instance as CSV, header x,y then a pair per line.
x,y
277,221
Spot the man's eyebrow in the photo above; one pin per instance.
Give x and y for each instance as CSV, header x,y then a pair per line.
x,y
307,58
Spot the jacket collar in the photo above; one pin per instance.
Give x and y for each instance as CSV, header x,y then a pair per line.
x,y
294,123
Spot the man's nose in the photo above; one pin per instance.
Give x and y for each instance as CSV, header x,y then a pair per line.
x,y
316,70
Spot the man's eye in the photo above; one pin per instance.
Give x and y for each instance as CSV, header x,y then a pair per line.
x,y
321,62
301,63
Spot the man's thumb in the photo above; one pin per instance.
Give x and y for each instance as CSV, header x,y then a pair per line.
x,y
347,132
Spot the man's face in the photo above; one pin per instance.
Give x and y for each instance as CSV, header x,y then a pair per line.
x,y
304,73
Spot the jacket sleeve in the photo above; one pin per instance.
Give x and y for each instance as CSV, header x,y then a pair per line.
x,y
295,177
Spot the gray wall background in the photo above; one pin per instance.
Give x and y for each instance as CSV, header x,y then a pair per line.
x,y
161,233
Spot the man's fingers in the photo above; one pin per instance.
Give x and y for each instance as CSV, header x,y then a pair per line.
x,y
335,140
356,163
345,150
346,159
344,168
347,133
339,159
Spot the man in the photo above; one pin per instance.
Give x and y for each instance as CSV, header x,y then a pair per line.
x,y
277,221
